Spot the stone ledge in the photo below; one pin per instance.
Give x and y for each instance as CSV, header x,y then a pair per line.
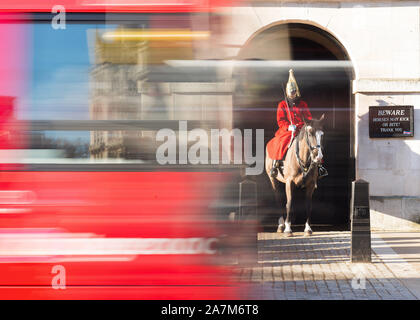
x,y
395,213
386,86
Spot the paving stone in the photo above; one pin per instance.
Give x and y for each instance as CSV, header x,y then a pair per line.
x,y
318,267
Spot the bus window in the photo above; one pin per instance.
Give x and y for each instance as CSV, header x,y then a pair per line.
x,y
108,73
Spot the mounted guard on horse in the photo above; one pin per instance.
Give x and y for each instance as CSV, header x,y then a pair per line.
x,y
291,115
302,166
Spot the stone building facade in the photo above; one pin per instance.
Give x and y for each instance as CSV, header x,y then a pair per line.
x,y
114,94
382,41
129,82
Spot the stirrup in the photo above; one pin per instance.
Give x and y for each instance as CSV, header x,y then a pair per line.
x,y
277,167
274,172
322,172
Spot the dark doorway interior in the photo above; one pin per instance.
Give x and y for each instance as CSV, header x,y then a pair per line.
x,y
326,90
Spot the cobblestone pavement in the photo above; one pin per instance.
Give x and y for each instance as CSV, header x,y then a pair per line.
x,y
318,267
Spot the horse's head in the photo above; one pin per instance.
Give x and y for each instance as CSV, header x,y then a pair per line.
x,y
313,131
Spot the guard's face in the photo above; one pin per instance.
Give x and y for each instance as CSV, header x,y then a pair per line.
x,y
291,92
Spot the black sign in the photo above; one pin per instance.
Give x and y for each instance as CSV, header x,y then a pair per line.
x,y
391,122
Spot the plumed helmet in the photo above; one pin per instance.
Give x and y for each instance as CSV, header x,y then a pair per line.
x,y
292,85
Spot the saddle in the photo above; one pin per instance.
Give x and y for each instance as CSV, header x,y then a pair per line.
x,y
279,164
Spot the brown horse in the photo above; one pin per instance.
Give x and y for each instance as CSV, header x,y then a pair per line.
x,y
300,170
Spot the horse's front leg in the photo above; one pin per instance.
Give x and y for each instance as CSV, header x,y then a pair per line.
x,y
308,204
289,195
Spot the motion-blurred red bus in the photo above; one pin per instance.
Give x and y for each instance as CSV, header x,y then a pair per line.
x,y
85,210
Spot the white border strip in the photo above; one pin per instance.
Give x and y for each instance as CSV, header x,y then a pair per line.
x,y
386,85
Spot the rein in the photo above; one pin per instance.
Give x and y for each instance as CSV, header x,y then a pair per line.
x,y
306,169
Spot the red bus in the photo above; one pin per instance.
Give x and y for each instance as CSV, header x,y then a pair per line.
x,y
85,210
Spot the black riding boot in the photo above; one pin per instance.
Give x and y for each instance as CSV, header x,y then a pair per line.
x,y
275,169
322,172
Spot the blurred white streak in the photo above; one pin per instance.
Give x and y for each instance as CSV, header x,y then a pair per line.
x,y
96,258
171,35
17,197
14,211
60,259
52,246
136,3
285,64
41,233
52,156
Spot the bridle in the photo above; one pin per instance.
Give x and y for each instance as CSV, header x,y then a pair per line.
x,y
307,168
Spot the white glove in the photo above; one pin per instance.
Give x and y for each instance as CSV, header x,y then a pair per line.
x,y
292,127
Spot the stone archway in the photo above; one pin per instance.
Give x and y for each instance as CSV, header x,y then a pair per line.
x,y
324,72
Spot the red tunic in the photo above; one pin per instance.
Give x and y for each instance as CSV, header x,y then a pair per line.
x,y
277,147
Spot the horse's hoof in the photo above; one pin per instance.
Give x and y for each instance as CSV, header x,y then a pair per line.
x,y
307,233
288,234
280,229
